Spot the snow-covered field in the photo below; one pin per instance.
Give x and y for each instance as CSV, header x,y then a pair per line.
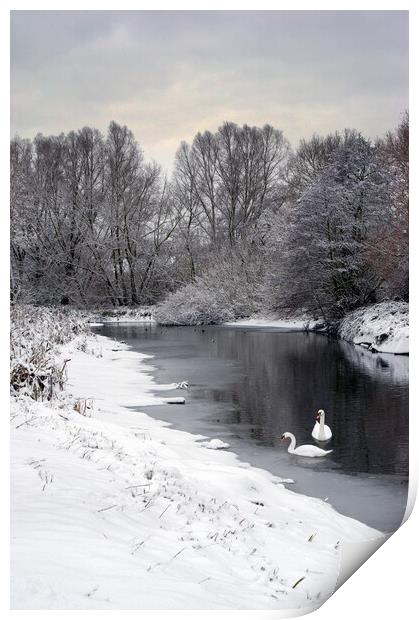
x,y
383,327
114,510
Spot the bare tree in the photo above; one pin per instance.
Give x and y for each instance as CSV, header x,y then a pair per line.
x,y
242,221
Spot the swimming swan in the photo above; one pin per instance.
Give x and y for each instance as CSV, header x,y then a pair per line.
x,y
306,450
321,431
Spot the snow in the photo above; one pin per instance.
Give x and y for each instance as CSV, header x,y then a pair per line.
x,y
118,511
215,444
124,315
129,319
183,385
260,321
382,327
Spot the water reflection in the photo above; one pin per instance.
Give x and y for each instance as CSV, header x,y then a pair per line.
x,y
274,381
288,376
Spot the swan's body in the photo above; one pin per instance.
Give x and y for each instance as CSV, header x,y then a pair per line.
x,y
306,450
321,431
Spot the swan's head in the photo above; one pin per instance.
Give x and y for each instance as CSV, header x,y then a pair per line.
x,y
286,436
320,415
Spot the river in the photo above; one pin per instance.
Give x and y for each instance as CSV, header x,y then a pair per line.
x,y
247,386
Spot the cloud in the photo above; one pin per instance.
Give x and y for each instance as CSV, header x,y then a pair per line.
x,y
170,74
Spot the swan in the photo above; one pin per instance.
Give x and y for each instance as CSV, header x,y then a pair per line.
x,y
321,431
306,450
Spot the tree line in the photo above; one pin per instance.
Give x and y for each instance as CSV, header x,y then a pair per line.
x,y
244,223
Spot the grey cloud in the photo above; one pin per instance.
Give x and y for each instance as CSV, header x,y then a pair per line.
x,y
169,74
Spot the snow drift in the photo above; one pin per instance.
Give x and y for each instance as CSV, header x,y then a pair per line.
x,y
383,327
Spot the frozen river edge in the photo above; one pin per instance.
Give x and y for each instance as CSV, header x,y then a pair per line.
x,y
115,510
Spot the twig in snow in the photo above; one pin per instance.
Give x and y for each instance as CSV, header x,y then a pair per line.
x,y
38,461
154,566
108,468
147,505
26,422
137,546
168,506
108,507
297,582
135,486
206,579
178,553
95,589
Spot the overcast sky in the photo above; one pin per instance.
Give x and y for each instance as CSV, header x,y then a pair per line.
x,y
169,74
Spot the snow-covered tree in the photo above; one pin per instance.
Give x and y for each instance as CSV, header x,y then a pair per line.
x,y
242,220
389,256
330,230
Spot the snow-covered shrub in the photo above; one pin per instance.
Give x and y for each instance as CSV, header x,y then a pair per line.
x,y
193,304
35,334
228,289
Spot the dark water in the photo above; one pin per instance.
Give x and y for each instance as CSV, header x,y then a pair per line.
x,y
248,386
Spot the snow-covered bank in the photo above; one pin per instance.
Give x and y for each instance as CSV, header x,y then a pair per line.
x,y
383,327
122,315
298,324
118,511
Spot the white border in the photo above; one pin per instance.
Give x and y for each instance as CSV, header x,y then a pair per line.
x,y
385,586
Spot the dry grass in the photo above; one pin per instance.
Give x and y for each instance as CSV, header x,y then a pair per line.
x,y
36,332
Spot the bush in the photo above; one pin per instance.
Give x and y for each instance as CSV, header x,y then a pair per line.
x,y
36,332
231,288
193,304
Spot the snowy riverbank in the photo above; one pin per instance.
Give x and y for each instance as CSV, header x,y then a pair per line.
x,y
113,510
124,314
257,321
383,327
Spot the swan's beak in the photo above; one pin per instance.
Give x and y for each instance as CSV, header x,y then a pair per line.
x,y
318,418
282,438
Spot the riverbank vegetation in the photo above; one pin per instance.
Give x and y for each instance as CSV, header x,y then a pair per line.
x,y
245,223
36,333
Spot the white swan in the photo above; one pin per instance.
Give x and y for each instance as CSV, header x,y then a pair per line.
x,y
321,431
306,450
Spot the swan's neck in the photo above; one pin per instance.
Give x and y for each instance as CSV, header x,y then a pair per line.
x,y
322,422
293,443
